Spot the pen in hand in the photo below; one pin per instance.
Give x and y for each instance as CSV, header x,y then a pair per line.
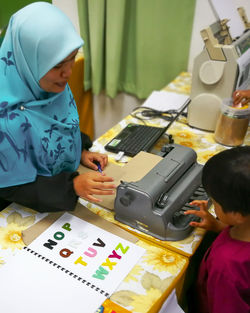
x,y
99,166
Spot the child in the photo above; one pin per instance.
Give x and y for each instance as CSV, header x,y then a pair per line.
x,y
223,283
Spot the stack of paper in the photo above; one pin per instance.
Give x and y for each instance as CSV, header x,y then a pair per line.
x,y
164,100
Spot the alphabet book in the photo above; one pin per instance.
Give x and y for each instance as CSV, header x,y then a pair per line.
x,y
72,267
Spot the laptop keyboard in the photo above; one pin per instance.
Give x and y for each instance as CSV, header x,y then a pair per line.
x,y
135,138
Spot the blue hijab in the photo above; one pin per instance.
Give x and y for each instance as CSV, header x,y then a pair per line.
x,y
39,131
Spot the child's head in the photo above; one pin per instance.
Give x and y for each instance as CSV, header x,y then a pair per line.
x,y
226,179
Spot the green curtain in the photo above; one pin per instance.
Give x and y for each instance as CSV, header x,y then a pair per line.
x,y
7,8
135,46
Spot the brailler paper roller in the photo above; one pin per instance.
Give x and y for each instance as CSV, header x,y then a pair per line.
x,y
155,204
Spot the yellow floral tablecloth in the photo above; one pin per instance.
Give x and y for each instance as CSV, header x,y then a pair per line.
x,y
143,290
201,141
163,266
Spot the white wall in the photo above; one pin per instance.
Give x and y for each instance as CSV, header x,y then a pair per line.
x,y
110,111
203,17
69,7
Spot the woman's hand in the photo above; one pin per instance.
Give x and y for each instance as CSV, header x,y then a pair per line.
x,y
208,221
89,184
88,159
241,97
93,183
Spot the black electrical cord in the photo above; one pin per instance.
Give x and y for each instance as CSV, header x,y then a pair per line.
x,y
145,113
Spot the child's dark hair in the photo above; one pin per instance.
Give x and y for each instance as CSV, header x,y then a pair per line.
x,y
226,178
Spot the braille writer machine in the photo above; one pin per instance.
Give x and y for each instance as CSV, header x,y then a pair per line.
x,y
156,203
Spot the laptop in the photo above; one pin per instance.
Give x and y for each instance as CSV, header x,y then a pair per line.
x,y
135,138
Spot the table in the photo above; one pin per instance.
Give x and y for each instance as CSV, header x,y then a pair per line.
x,y
201,141
164,264
143,290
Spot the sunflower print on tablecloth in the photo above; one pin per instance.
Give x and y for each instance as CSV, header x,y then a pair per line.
x,y
11,234
146,283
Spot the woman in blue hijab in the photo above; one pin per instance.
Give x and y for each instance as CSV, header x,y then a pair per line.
x,y
41,145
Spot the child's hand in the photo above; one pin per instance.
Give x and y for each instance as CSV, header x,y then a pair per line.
x,y
208,221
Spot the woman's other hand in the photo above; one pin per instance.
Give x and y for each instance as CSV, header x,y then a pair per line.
x,y
208,221
93,183
89,158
